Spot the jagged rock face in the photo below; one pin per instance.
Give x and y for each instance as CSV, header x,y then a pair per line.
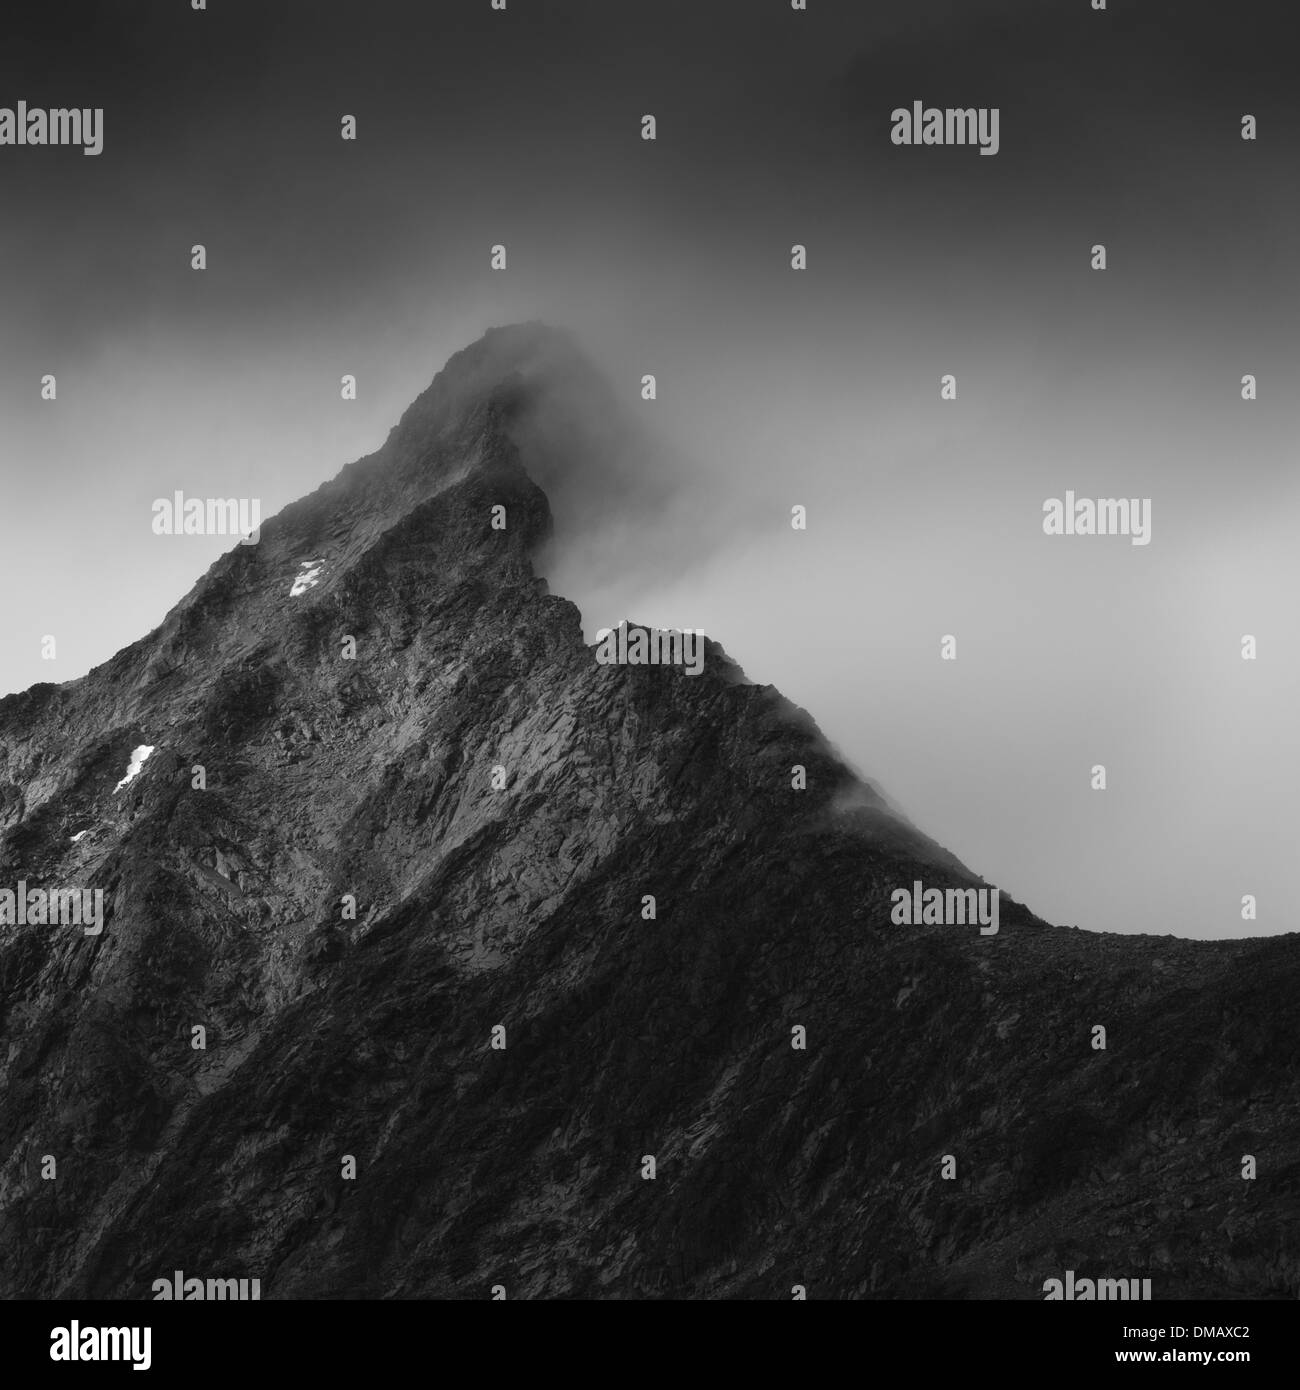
x,y
522,906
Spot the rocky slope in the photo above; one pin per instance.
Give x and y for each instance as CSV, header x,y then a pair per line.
x,y
522,906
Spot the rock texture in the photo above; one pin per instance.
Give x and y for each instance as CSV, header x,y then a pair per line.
x,y
328,1036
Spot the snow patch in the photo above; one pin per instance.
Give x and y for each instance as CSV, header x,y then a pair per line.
x,y
80,833
308,578
138,757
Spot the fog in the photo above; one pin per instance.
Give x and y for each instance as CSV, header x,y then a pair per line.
x,y
774,387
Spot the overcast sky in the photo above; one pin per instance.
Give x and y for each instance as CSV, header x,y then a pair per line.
x,y
776,387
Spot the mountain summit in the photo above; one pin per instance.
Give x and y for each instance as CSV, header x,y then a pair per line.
x,y
438,954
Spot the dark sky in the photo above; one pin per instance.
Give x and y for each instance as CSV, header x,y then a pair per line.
x,y
776,387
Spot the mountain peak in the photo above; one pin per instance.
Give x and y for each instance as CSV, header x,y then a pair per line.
x,y
431,878
505,368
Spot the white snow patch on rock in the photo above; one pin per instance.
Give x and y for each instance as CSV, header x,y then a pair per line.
x,y
308,579
138,756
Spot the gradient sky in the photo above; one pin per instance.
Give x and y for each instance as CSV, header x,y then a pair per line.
x,y
775,387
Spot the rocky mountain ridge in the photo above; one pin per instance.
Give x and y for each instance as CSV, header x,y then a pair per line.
x,y
421,730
